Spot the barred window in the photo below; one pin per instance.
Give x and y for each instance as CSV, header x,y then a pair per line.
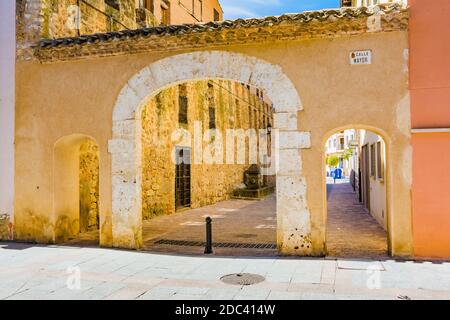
x,y
182,104
238,113
113,4
212,117
147,4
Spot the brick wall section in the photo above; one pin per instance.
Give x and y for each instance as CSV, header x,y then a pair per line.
x,y
209,183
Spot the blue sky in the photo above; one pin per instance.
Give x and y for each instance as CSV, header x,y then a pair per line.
x,y
234,9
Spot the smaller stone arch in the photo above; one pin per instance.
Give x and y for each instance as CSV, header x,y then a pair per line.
x,y
293,222
76,186
388,175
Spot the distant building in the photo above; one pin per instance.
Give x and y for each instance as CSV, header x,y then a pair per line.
x,y
65,18
181,11
362,158
342,145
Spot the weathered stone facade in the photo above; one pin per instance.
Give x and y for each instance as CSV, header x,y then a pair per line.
x,y
271,30
63,18
89,186
37,19
52,19
236,107
5,227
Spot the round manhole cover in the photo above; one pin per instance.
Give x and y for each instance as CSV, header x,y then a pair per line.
x,y
242,279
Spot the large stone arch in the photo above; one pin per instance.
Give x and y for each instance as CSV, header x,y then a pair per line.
x,y
293,216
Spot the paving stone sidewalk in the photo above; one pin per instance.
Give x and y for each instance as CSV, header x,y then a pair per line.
x,y
51,272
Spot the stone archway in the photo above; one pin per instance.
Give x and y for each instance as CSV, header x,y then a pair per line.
x,y
375,233
293,216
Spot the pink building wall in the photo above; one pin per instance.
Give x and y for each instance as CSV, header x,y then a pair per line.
x,y
430,110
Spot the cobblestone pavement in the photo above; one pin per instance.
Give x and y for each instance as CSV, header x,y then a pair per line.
x,y
51,272
351,231
234,221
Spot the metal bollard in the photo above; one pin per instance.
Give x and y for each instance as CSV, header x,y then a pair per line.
x,y
208,246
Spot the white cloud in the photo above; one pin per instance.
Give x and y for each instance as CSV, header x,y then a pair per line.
x,y
234,9
234,12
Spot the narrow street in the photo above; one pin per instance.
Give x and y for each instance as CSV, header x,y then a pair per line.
x,y
351,230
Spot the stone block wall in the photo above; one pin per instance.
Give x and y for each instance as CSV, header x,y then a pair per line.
x,y
51,19
5,227
29,22
236,107
144,18
89,186
38,19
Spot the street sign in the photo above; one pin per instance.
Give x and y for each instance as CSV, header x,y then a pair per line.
x,y
361,57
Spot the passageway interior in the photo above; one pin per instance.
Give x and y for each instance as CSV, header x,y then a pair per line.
x,y
204,144
356,195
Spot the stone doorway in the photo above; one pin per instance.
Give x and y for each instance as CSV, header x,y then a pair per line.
x,y
77,194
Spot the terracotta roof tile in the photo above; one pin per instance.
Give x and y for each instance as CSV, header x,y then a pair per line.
x,y
286,19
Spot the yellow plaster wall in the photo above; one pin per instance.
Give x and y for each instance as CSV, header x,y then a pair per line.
x,y
77,97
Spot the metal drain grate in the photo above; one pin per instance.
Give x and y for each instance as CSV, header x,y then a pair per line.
x,y
246,235
242,279
217,244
